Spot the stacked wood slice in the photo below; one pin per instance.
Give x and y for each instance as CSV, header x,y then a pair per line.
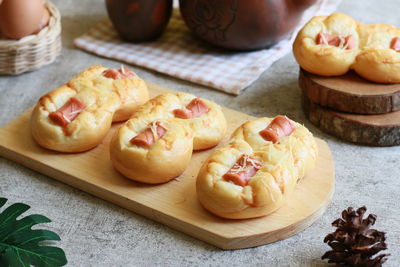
x,y
352,108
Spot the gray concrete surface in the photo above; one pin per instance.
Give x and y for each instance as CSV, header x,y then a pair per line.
x,y
97,233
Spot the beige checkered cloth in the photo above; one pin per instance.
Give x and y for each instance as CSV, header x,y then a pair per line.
x,y
179,54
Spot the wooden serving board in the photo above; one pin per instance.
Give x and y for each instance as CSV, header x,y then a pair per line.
x,y
174,203
350,93
372,130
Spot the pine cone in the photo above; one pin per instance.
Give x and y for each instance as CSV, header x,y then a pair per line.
x,y
354,243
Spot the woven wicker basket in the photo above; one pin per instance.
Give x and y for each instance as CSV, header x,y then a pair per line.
x,y
34,51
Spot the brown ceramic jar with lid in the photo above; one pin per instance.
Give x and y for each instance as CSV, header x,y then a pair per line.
x,y
243,24
139,20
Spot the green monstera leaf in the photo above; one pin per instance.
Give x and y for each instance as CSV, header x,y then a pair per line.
x,y
20,245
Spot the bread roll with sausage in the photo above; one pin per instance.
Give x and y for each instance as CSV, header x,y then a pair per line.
x,y
379,59
76,116
327,46
156,144
333,45
258,170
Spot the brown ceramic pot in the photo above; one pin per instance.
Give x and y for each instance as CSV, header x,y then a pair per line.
x,y
139,20
242,24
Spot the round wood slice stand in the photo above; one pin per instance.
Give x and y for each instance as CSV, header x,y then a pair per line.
x,y
350,93
373,130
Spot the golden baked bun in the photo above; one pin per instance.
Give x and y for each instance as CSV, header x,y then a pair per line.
x,y
156,144
315,45
331,46
209,128
76,116
379,61
258,170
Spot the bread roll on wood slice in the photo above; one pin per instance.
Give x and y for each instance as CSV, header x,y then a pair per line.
x,y
332,45
76,116
379,59
258,170
156,144
327,46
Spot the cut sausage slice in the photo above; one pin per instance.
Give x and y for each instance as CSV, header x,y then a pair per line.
x,y
194,109
279,127
395,44
67,113
327,39
149,136
241,172
347,42
122,73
